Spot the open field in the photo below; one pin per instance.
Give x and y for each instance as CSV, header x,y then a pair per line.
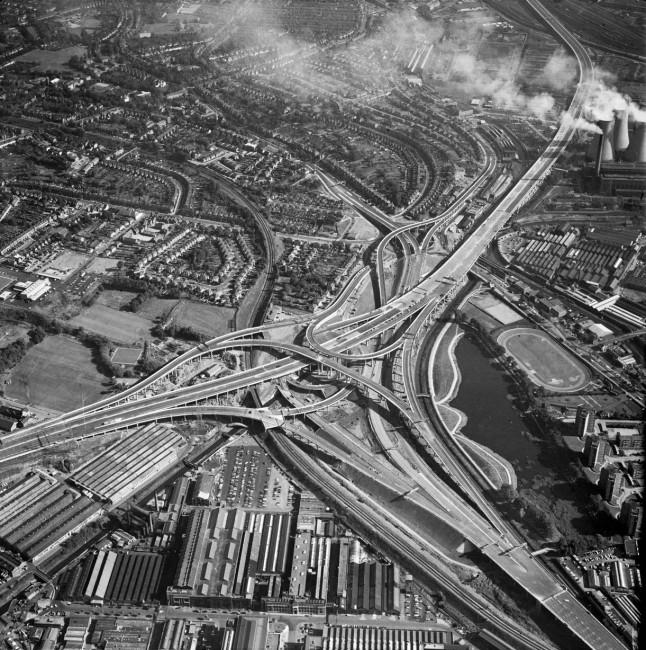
x,y
115,299
206,319
119,326
544,361
360,228
102,265
496,309
58,373
52,60
157,307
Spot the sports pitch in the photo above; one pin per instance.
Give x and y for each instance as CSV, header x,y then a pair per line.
x,y
545,362
126,356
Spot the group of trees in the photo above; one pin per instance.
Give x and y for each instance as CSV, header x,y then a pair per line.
x,y
176,331
524,509
12,354
136,303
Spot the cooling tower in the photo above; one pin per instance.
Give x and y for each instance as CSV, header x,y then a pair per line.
x,y
621,139
637,148
605,154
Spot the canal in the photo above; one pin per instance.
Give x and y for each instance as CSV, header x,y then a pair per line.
x,y
493,420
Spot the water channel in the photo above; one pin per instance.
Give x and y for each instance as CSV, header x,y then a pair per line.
x,y
492,418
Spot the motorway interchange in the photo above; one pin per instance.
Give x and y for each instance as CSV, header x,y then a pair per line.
x,y
394,329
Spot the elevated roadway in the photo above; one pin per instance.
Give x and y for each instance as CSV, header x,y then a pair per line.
x,y
475,523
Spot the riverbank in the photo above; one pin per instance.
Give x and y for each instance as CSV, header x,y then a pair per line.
x,y
554,502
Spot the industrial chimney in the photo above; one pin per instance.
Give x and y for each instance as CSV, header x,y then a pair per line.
x,y
593,148
605,153
637,149
621,139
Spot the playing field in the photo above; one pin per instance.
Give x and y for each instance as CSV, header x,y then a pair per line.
x,y
206,319
544,361
119,326
126,356
59,374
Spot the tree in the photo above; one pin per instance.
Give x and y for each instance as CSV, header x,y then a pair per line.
x,y
37,335
508,493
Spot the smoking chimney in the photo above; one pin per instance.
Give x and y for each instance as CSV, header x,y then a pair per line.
x,y
593,148
621,139
637,149
605,153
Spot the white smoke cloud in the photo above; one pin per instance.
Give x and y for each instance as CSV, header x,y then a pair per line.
x,y
560,72
540,105
603,102
495,83
579,123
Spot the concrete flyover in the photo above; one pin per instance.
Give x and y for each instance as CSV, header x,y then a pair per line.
x,y
63,421
477,524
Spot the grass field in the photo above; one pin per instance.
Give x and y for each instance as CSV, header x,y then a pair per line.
x,y
53,60
58,373
115,299
207,319
157,307
119,326
545,362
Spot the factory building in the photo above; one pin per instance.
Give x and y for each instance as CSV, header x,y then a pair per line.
x,y
202,489
373,587
251,633
114,577
76,632
349,637
36,290
37,513
223,553
133,461
619,153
